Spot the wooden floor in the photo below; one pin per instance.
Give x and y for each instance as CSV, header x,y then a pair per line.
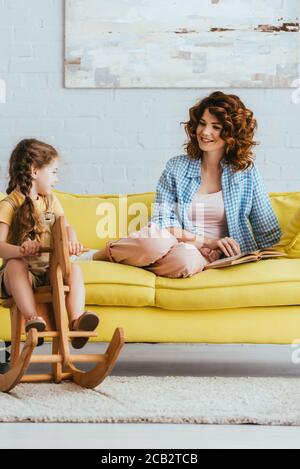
x,y
171,359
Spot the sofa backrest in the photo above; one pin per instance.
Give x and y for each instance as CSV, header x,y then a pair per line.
x,y
99,218
285,205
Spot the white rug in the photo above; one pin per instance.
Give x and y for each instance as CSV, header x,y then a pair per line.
x,y
263,401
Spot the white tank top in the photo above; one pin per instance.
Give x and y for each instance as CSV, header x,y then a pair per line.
x,y
208,213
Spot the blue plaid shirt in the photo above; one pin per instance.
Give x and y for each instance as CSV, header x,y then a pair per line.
x,y
251,220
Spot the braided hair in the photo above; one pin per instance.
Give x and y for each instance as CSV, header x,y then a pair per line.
x,y
28,152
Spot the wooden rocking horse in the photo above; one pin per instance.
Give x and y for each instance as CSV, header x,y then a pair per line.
x,y
50,302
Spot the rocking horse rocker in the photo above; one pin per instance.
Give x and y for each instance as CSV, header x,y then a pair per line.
x,y
50,303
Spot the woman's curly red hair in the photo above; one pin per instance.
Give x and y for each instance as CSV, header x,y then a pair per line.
x,y
238,127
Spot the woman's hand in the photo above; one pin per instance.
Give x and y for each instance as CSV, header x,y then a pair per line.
x,y
75,248
30,248
228,246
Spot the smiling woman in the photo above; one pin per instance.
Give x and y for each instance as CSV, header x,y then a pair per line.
x,y
209,132
210,202
224,120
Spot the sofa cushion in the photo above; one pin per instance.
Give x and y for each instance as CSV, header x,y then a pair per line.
x,y
92,216
114,284
269,282
100,218
285,205
290,240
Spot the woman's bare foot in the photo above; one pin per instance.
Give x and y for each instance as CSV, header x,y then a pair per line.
x,y
100,255
211,254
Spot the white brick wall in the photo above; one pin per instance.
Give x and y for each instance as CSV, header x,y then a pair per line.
x,y
115,141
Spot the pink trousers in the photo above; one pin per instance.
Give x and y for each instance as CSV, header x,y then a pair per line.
x,y
157,250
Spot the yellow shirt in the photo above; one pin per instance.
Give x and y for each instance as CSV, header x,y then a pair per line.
x,y
8,206
15,199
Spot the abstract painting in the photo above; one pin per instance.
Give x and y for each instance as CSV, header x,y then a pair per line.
x,y
181,44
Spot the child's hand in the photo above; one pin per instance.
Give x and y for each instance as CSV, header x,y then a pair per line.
x,y
75,248
30,248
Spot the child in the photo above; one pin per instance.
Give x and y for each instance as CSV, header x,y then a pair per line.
x,y
26,217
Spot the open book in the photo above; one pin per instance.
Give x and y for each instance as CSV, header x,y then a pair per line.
x,y
244,257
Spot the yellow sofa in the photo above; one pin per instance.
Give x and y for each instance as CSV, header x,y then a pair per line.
x,y
254,303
